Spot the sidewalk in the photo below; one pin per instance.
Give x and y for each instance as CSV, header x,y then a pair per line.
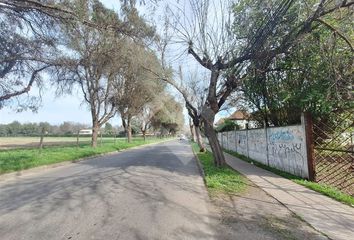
x,y
328,216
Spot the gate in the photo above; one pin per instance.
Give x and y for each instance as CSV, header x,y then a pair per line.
x,y
333,153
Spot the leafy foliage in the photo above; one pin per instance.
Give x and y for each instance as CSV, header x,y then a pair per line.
x,y
227,125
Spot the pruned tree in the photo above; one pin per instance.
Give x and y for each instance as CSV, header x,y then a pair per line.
x,y
211,41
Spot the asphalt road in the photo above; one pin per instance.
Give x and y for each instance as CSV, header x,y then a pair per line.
x,y
154,192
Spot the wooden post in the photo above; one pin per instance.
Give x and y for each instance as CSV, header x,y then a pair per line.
x,y
77,138
306,121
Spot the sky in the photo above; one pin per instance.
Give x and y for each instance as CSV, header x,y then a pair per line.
x,y
56,110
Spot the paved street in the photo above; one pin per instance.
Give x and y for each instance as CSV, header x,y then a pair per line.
x,y
154,192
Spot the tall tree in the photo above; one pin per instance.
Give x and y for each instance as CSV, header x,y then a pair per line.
x,y
29,35
315,76
137,86
28,45
216,47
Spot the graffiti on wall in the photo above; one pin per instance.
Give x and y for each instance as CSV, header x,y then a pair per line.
x,y
282,147
287,150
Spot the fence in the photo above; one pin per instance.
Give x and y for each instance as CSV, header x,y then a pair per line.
x,y
333,151
322,151
283,148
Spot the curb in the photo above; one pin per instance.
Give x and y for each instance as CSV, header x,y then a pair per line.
x,y
30,171
199,165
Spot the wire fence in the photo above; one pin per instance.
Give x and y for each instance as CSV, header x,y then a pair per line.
x,y
334,151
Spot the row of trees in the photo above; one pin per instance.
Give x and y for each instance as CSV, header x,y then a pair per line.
x,y
103,53
278,56
34,129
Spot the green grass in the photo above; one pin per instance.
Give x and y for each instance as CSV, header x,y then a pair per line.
x,y
220,179
20,159
318,187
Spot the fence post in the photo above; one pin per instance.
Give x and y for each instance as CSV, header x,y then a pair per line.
x,y
306,122
248,151
235,132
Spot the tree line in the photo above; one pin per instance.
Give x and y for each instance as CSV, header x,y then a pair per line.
x,y
16,128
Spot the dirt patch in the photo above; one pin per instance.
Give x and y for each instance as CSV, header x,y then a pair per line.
x,y
35,144
31,142
256,215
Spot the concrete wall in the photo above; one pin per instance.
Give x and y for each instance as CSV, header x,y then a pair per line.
x,y
283,148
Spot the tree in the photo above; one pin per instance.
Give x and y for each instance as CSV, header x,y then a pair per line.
x,y
136,87
108,128
97,64
216,47
315,76
30,35
28,47
169,119
227,125
148,113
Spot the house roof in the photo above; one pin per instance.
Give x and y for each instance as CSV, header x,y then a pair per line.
x,y
239,115
220,121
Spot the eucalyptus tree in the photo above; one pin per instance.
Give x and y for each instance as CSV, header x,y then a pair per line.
x,y
208,32
169,119
28,43
30,33
98,58
137,86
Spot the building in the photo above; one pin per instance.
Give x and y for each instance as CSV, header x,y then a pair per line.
x,y
241,118
85,132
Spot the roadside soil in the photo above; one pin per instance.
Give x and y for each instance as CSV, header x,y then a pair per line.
x,y
255,215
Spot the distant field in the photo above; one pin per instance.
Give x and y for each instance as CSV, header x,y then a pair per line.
x,y
26,142
18,158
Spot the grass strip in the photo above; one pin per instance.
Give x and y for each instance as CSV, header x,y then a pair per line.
x,y
318,187
219,179
20,159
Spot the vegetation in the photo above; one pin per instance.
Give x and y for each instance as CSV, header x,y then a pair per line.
x,y
315,76
318,187
20,159
219,179
227,125
283,57
235,40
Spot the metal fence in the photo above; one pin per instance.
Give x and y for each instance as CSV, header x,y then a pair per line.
x,y
333,151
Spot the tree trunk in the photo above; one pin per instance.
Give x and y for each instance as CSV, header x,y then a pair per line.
x,y
129,131
208,117
41,140
199,139
191,127
95,129
144,134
